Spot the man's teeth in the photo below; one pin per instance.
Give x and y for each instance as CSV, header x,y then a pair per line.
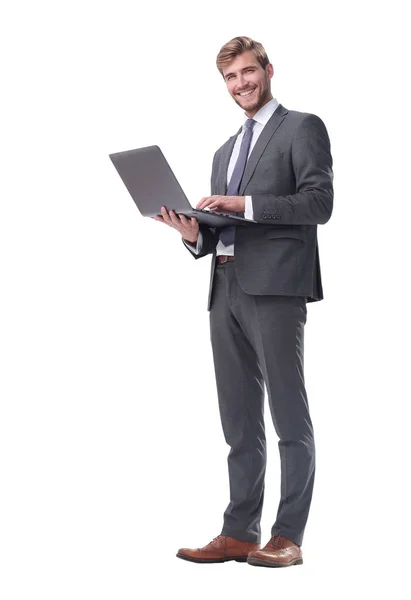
x,y
247,93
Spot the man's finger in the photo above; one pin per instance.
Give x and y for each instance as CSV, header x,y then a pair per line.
x,y
165,214
166,217
203,202
161,220
175,218
171,219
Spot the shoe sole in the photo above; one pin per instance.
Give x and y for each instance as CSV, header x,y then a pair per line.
x,y
256,562
212,560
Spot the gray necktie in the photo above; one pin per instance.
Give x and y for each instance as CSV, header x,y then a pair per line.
x,y
227,235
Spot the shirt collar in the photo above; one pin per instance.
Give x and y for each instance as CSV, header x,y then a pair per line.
x,y
265,112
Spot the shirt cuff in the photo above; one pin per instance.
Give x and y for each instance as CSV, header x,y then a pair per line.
x,y
249,211
195,248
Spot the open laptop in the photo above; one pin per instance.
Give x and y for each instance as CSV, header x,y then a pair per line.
x,y
152,184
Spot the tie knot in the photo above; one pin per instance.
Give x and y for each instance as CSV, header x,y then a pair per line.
x,y
249,124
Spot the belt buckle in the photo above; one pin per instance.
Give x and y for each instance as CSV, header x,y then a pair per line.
x,y
223,259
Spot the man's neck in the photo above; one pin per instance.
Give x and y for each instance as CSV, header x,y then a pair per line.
x,y
253,113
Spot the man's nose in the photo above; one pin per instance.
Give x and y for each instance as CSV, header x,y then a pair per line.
x,y
241,82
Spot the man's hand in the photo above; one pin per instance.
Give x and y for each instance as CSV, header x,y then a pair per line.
x,y
187,227
223,203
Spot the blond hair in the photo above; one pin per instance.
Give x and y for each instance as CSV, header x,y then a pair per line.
x,y
237,46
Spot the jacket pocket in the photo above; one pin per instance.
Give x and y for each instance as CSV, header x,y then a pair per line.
x,y
286,233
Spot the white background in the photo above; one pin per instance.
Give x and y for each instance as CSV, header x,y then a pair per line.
x,y
111,449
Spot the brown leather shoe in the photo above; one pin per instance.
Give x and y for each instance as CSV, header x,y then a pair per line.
x,y
279,552
221,549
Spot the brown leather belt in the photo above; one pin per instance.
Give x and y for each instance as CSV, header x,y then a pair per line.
x,y
222,258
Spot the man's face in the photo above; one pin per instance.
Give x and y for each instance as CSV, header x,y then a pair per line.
x,y
244,75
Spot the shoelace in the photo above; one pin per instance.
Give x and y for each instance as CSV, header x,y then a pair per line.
x,y
276,541
220,538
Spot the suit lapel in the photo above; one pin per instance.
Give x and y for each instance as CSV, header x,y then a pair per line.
x,y
267,133
272,124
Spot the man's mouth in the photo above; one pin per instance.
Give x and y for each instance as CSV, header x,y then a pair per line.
x,y
246,94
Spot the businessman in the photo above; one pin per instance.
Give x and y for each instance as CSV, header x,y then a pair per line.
x,y
276,170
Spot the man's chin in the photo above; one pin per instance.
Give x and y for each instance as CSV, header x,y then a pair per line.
x,y
247,105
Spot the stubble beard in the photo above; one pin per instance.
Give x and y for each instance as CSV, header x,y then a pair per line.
x,y
259,102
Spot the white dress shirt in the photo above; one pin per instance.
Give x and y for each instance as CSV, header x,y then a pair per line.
x,y
261,117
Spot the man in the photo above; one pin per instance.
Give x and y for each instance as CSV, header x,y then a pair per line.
x,y
279,172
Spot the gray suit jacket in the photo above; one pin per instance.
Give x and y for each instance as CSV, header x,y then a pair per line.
x,y
289,176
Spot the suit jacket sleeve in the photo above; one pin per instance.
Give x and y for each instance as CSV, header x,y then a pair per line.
x,y
312,164
207,241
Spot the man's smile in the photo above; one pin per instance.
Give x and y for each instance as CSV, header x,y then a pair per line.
x,y
247,93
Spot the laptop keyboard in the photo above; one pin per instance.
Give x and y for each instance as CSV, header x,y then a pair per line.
x,y
213,212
